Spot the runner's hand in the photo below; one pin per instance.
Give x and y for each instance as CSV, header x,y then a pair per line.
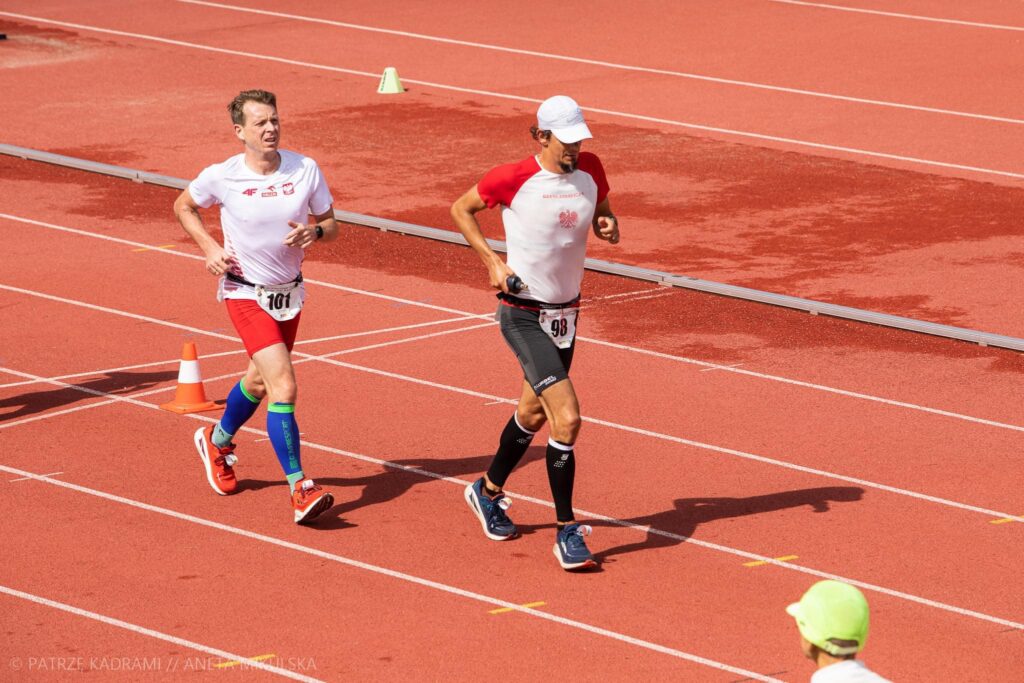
x,y
301,236
607,228
219,261
499,271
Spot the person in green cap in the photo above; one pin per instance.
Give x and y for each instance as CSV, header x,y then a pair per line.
x,y
832,617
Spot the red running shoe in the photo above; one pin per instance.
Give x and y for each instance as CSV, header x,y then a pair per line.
x,y
218,462
310,501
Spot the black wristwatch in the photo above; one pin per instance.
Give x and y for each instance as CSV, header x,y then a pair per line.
x,y
319,232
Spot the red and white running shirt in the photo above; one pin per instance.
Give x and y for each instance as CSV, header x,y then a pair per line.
x,y
255,210
547,219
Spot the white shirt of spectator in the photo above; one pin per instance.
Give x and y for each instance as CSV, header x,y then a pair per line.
x,y
849,671
254,214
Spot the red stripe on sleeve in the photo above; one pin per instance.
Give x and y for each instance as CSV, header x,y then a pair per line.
x,y
500,184
589,163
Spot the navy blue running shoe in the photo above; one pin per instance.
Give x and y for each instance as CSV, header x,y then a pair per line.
x,y
490,511
571,549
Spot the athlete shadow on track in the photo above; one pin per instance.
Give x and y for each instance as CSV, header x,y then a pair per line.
x,y
391,483
671,526
117,383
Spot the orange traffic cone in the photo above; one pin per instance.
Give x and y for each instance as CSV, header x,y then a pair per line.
x,y
190,396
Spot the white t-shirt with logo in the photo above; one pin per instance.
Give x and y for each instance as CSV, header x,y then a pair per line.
x,y
848,671
547,219
254,213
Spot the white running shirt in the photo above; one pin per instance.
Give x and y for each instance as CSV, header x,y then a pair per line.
x,y
547,219
254,213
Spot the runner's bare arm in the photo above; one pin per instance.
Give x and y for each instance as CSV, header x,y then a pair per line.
x,y
606,225
218,261
464,214
303,235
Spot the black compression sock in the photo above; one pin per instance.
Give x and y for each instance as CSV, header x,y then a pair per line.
x,y
511,448
561,462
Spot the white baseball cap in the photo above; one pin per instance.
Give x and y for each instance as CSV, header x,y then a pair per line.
x,y
564,118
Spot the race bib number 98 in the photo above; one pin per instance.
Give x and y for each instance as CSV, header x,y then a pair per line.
x,y
559,324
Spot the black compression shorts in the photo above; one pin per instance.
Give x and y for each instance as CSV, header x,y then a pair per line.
x,y
542,361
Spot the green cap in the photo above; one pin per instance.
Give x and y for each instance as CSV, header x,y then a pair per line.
x,y
832,610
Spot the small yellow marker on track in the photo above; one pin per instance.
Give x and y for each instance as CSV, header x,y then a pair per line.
x,y
502,610
1004,520
758,563
162,246
257,658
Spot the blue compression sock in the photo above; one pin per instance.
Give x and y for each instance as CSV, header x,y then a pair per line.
x,y
284,435
240,407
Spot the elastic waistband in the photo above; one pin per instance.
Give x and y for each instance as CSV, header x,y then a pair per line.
x,y
531,304
242,281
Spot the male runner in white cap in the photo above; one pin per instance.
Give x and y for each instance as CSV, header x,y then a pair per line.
x,y
549,202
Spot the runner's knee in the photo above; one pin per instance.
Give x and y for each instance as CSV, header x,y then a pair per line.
x,y
565,425
283,390
287,394
255,387
531,419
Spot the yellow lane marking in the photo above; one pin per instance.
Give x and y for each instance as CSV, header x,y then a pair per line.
x,y
1004,520
162,246
257,658
758,563
512,609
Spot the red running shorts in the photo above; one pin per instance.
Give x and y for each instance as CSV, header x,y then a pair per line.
x,y
257,329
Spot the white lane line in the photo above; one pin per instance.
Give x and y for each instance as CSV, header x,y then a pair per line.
x,y
635,292
772,138
612,425
384,330
384,571
142,630
591,340
532,100
114,311
734,365
605,423
461,483
610,65
656,295
196,257
899,15
49,474
305,358
909,597
350,335
810,385
689,442
123,368
406,340
92,392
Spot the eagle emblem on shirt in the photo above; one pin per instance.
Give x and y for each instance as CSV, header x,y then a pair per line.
x,y
568,219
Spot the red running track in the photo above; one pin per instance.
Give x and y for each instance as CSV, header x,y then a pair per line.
x,y
906,444
363,407
801,217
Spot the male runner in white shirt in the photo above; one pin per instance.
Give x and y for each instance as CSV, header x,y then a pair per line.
x,y
266,195
549,204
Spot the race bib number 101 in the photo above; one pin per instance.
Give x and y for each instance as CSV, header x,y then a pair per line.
x,y
282,302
